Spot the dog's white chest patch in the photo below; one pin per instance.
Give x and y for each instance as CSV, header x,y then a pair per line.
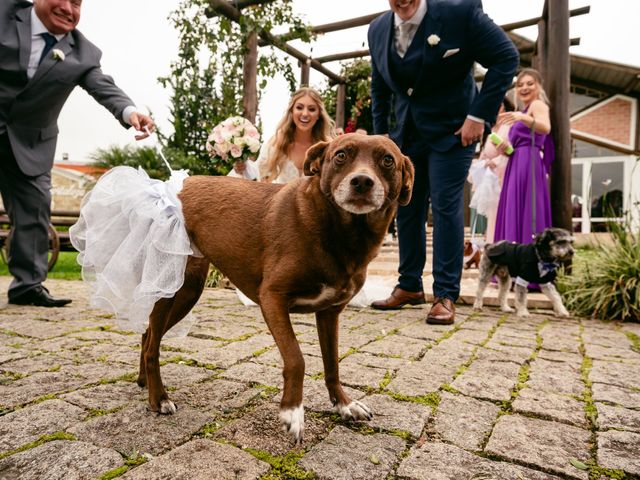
x,y
326,295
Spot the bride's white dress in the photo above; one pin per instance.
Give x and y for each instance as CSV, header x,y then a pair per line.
x,y
133,244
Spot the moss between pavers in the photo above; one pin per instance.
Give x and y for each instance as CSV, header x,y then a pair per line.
x,y
351,351
591,413
285,466
635,340
430,400
445,387
189,362
209,429
99,412
43,439
131,461
257,353
388,376
127,377
10,333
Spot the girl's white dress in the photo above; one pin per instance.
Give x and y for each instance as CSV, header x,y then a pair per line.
x,y
133,244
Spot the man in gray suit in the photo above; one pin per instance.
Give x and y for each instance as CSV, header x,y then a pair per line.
x,y
42,59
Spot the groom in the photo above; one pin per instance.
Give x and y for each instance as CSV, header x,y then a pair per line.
x,y
42,59
422,55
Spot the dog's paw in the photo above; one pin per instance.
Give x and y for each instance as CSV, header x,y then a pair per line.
x,y
293,422
524,313
477,306
506,309
561,312
354,411
167,407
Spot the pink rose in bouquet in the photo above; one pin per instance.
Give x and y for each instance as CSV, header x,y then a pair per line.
x,y
233,140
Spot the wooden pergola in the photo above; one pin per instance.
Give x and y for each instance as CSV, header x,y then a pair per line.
x,y
550,56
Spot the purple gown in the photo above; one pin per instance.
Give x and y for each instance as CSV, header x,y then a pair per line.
x,y
514,217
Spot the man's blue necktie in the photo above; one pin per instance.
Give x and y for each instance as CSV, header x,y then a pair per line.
x,y
49,42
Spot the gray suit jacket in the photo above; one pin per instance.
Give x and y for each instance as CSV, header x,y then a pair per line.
x,y
29,109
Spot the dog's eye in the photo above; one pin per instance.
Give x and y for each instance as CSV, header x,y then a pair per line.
x,y
388,161
340,157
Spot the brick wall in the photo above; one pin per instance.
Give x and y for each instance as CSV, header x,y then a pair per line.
x,y
611,121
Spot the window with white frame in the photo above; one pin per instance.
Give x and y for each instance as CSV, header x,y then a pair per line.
x,y
600,191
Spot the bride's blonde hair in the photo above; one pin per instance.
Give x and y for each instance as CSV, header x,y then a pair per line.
x,y
535,74
282,141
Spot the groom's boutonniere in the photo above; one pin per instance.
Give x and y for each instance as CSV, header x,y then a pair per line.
x,y
433,39
58,54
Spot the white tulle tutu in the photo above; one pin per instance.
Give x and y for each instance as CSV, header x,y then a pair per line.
x,y
486,196
133,245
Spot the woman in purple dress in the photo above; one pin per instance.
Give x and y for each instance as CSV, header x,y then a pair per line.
x,y
526,177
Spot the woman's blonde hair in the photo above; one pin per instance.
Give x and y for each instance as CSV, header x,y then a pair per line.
x,y
323,130
535,74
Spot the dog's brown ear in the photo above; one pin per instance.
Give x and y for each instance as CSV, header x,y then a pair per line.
x,y
313,160
407,181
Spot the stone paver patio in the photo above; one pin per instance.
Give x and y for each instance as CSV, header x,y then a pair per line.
x,y
492,397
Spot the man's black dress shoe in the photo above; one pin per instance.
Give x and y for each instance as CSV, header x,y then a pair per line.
x,y
39,297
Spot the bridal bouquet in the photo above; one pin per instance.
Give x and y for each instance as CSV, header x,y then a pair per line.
x,y
233,140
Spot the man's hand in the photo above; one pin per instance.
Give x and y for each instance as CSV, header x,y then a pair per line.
x,y
470,132
240,167
143,124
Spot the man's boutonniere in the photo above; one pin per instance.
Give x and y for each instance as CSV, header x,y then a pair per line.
x,y
58,54
433,39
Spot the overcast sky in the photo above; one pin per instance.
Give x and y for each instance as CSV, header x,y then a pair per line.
x,y
138,45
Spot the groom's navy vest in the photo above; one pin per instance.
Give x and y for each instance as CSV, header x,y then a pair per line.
x,y
405,70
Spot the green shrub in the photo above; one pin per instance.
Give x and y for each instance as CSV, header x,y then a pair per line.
x,y
607,286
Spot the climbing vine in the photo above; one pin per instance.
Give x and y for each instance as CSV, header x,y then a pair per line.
x,y
358,96
207,79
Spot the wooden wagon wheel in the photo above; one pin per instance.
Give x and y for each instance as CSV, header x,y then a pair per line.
x,y
54,247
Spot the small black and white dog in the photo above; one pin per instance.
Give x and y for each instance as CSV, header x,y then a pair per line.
x,y
532,263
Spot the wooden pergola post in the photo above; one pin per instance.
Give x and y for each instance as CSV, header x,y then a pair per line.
x,y
340,101
305,70
539,61
557,82
250,78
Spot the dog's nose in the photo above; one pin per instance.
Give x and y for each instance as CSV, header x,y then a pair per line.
x,y
362,183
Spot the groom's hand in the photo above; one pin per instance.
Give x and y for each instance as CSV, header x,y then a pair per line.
x,y
143,124
470,132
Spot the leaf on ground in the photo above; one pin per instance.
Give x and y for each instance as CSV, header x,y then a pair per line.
x,y
578,464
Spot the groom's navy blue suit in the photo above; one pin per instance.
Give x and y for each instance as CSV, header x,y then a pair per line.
x,y
432,90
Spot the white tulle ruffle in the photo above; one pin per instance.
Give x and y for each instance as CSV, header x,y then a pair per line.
x,y
133,244
486,193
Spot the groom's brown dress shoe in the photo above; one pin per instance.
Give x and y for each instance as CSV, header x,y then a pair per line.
x,y
39,297
398,299
443,312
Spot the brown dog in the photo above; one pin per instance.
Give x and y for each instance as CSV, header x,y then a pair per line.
x,y
472,254
302,247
